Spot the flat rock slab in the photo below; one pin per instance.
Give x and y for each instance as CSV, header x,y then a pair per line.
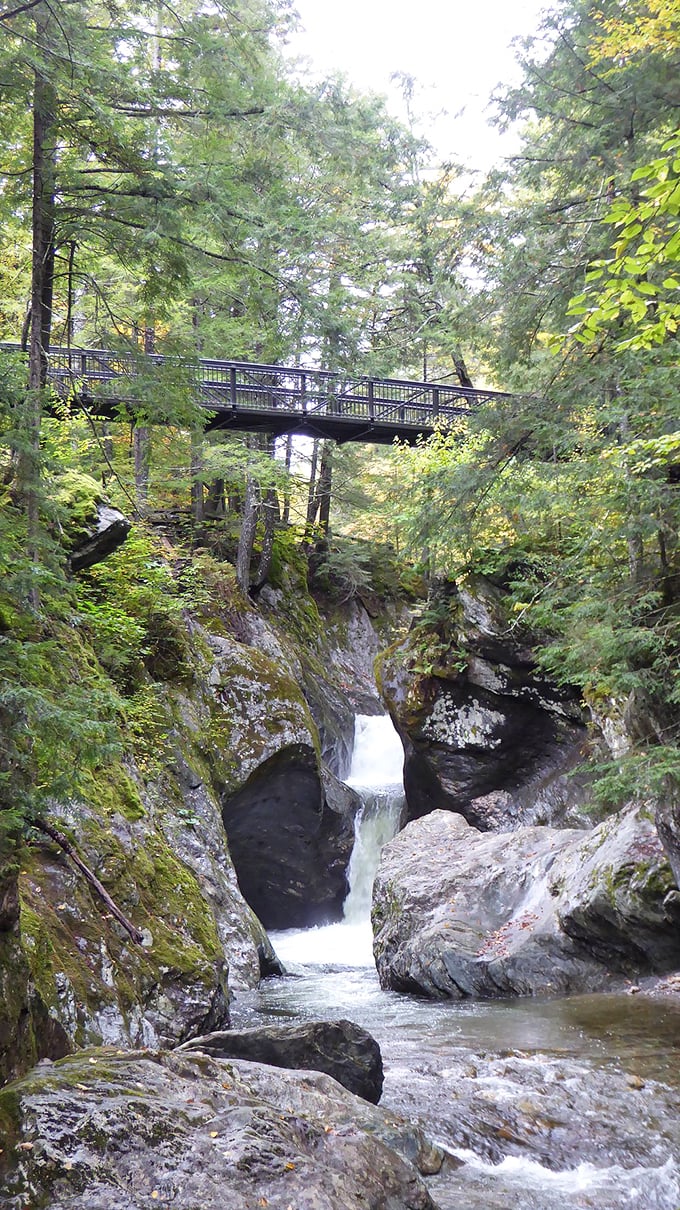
x,y
537,911
341,1049
103,1130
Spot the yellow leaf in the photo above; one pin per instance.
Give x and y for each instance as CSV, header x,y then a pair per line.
x,y
213,1134
155,1195
289,1167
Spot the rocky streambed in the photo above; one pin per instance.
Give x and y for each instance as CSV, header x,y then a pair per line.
x,y
542,1104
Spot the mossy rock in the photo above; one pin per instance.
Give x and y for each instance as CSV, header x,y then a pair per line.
x,y
77,496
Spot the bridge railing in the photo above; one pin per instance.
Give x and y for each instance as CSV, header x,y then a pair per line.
x,y
221,386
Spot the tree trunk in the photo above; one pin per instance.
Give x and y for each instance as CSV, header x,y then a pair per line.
x,y
286,499
311,493
107,449
461,371
247,535
271,516
216,505
325,488
197,502
42,280
142,442
141,446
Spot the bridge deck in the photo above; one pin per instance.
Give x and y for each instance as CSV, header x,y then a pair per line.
x,y
241,395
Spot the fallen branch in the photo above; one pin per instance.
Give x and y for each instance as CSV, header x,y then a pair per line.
x,y
65,844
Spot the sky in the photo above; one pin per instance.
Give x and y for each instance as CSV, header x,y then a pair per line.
x,y
457,50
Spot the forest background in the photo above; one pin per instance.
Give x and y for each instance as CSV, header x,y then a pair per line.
x,y
170,184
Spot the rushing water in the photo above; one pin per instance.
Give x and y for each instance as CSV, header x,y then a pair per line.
x,y
541,1105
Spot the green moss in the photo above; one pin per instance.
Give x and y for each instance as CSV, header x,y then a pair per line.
x,y
62,941
10,1128
257,702
148,722
112,791
76,496
63,972
654,879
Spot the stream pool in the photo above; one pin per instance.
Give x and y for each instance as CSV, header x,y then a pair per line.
x,y
539,1104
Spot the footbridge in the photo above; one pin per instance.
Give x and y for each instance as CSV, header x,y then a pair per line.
x,y
240,395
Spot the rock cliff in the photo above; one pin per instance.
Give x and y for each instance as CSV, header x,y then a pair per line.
x,y
485,734
216,804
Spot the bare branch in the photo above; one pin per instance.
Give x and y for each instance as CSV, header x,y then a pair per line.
x,y
65,844
23,8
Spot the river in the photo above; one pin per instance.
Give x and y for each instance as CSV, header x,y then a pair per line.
x,y
539,1104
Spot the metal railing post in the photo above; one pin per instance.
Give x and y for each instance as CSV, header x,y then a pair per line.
x,y
232,385
371,399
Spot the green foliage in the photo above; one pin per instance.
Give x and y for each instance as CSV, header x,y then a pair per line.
x,y
342,568
132,607
633,295
346,567
54,728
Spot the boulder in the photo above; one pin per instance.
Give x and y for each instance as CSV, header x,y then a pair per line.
x,y
537,911
110,527
290,848
289,827
91,527
341,1049
122,1132
485,734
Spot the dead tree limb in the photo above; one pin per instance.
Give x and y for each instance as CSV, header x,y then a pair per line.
x,y
65,844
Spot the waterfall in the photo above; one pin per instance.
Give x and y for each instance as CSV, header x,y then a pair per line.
x,y
376,775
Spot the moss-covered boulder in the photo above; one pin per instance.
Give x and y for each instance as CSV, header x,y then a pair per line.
x,y
94,981
209,724
90,527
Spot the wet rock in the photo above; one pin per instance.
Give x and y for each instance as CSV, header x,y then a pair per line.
x,y
668,824
289,836
290,849
485,734
538,911
341,1049
121,1132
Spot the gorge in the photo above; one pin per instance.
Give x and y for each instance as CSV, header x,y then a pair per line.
x,y
532,1010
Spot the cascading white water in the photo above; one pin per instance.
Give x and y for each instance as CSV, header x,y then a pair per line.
x,y
376,775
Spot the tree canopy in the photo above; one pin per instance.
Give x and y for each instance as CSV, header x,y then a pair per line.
x,y
169,182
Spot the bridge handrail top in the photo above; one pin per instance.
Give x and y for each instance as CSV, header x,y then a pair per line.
x,y
264,367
